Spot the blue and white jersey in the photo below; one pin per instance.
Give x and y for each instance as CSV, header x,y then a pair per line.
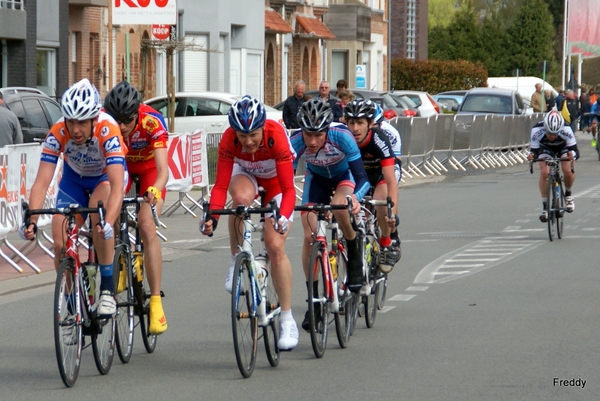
x,y
333,158
538,135
394,137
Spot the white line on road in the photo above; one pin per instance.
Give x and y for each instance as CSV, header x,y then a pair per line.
x,y
403,297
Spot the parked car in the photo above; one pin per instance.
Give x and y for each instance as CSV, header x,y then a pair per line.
x,y
425,103
492,101
193,110
391,106
450,100
36,111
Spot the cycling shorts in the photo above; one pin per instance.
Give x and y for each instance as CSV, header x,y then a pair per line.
x,y
74,188
551,152
270,185
318,189
147,173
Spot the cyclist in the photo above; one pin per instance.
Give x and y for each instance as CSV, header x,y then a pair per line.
x,y
333,163
144,132
396,142
256,151
380,161
595,112
551,137
94,161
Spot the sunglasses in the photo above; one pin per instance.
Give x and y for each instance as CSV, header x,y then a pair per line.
x,y
128,120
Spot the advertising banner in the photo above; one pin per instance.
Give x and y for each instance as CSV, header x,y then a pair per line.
x,y
144,12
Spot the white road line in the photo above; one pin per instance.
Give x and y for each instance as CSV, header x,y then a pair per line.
x,y
417,288
510,246
386,309
403,297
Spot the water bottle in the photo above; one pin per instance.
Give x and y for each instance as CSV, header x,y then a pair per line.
x,y
88,273
333,264
137,266
260,266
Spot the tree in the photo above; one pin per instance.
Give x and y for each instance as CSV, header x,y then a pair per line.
x,y
530,37
440,12
493,38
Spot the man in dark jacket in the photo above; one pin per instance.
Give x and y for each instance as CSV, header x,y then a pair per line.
x,y
292,105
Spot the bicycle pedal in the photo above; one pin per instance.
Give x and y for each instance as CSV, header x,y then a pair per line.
x,y
162,294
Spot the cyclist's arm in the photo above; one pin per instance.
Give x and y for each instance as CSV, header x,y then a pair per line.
x,y
389,176
357,168
283,153
225,161
40,187
115,173
162,168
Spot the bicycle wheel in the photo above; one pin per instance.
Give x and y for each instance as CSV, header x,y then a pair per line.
x,y
271,331
370,300
141,289
381,290
559,201
244,322
103,343
345,299
318,307
68,333
125,301
550,208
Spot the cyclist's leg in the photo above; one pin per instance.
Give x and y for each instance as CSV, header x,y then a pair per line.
x,y
543,186
568,180
152,250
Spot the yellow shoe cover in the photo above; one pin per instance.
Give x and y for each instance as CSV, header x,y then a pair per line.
x,y
158,320
122,282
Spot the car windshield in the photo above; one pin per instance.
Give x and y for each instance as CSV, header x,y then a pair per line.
x,y
487,103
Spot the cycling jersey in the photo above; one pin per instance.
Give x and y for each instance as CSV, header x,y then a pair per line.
x,y
393,136
89,159
376,152
271,165
565,141
149,134
339,154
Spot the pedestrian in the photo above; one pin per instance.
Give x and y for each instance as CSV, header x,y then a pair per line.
x,y
549,100
10,128
536,98
292,105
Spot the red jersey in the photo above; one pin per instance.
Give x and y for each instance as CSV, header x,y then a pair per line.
x,y
271,164
149,134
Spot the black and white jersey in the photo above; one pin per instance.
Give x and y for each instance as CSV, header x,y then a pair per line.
x,y
564,140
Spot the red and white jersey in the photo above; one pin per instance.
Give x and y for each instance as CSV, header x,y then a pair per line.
x,y
271,164
149,134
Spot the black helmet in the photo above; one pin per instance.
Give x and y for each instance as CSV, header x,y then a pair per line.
x,y
360,109
315,115
122,101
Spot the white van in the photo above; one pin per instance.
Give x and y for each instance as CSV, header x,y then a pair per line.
x,y
524,85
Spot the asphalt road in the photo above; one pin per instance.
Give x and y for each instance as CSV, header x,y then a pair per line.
x,y
481,307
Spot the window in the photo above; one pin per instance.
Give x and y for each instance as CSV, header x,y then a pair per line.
x,y
35,114
46,71
53,110
411,29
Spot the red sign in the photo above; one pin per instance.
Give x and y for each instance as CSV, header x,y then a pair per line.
x,y
161,31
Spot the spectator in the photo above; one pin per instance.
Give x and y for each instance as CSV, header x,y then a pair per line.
x,y
586,107
593,96
292,105
549,100
341,85
10,128
346,97
573,108
559,99
536,98
325,93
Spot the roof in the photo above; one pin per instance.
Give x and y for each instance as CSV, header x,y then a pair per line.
x,y
274,22
309,25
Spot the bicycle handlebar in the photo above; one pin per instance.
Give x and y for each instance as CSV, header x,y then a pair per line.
x,y
141,199
67,211
243,211
550,160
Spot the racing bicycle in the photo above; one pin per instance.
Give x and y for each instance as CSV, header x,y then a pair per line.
x,y
77,297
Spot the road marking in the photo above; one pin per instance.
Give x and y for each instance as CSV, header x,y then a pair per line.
x,y
403,297
440,270
386,309
417,288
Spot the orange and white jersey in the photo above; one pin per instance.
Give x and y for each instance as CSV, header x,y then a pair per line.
x,y
89,159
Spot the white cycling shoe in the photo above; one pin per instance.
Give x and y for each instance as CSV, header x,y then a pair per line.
x,y
288,335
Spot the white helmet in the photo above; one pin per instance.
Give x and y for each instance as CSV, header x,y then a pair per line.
x,y
81,101
553,122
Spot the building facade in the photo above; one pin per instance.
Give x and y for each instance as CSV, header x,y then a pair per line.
x,y
33,40
408,28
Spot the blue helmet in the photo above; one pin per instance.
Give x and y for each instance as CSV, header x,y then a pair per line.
x,y
247,115
378,114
